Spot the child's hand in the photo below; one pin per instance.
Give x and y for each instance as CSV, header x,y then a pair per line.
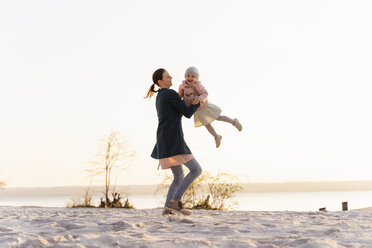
x,y
196,101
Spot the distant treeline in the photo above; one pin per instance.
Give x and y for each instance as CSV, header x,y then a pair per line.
x,y
150,189
307,186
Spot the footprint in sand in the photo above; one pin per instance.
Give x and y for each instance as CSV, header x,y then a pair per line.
x,y
180,220
333,231
71,226
4,229
121,225
269,225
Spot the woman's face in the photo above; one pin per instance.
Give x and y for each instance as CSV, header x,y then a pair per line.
x,y
166,82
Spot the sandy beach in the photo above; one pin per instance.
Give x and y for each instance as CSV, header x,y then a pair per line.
x,y
63,227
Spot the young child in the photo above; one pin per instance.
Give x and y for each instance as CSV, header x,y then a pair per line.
x,y
193,92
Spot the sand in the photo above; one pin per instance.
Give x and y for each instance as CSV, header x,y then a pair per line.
x,y
63,227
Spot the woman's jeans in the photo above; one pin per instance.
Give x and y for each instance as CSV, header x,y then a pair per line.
x,y
180,183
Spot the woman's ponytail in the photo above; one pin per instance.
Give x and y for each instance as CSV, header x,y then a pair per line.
x,y
151,91
156,76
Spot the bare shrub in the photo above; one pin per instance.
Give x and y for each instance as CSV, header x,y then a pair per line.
x,y
222,188
116,202
85,203
207,191
115,154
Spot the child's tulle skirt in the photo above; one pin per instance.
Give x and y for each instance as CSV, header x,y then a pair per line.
x,y
207,115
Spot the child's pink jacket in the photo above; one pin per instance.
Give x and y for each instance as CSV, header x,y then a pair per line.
x,y
192,92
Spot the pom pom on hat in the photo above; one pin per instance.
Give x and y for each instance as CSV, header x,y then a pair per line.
x,y
192,70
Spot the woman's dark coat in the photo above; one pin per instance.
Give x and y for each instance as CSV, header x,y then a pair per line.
x,y
169,136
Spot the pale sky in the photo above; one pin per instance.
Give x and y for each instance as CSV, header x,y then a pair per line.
x,y
297,74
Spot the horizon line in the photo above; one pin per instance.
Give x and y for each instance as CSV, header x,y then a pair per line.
x,y
241,183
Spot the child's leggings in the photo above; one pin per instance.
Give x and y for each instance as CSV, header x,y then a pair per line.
x,y
180,183
220,118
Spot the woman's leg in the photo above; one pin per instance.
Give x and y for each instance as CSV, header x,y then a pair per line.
x,y
195,171
177,179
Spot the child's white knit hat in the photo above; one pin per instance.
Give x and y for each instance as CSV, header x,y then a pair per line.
x,y
192,70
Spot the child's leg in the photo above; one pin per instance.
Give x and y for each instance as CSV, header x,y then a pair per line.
x,y
211,130
233,122
225,119
217,138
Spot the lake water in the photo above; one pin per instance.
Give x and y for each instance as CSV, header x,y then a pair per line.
x,y
279,201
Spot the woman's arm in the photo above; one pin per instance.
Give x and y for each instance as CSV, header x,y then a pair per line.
x,y
181,106
181,91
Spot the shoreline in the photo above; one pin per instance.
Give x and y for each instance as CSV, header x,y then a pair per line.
x,y
321,186
277,201
366,209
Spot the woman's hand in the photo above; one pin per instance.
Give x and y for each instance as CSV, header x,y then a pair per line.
x,y
196,101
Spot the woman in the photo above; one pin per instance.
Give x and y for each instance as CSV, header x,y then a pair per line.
x,y
170,147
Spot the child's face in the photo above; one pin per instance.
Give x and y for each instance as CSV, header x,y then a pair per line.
x,y
190,79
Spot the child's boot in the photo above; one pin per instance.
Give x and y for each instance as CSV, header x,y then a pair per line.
x,y
218,139
237,124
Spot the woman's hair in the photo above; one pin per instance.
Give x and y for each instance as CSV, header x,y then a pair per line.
x,y
156,76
